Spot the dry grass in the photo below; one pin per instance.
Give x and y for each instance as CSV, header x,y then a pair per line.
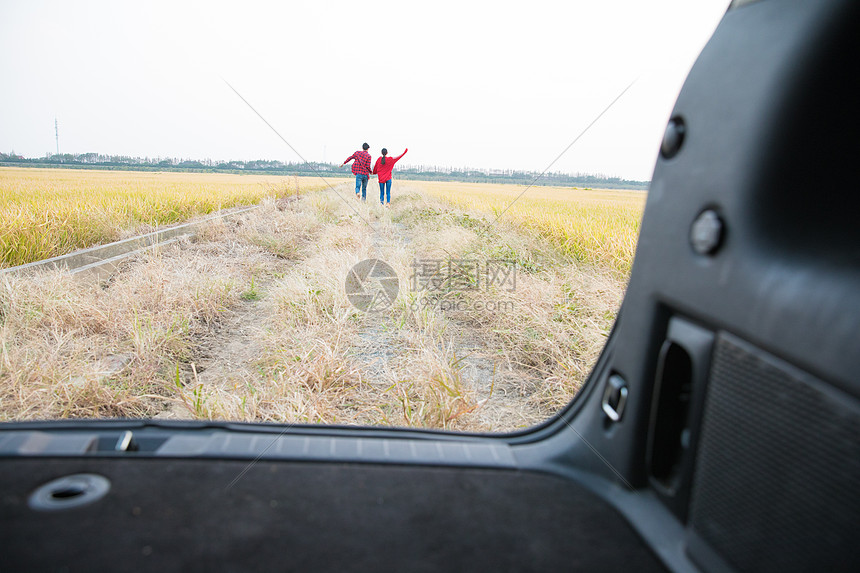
x,y
50,212
75,349
175,334
554,322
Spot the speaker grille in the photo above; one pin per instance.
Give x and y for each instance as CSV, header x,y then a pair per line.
x,y
777,479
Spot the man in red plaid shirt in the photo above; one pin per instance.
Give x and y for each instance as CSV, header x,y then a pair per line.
x,y
361,170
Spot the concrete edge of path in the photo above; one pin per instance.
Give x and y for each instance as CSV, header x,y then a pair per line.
x,y
105,258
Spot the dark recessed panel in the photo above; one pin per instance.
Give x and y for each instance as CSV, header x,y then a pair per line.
x,y
777,479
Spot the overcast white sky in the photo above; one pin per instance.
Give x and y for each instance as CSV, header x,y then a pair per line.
x,y
483,84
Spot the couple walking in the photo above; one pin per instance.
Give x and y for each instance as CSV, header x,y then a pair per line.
x,y
382,169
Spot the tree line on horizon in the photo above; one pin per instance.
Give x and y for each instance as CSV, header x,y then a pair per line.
x,y
275,167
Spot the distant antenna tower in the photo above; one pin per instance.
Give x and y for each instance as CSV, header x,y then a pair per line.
x,y
57,134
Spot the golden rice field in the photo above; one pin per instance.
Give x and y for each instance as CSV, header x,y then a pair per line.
x,y
50,212
597,226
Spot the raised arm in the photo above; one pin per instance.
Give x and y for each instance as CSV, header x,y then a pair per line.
x,y
348,159
396,159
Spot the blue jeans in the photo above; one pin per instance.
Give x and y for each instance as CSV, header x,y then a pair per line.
x,y
385,189
361,183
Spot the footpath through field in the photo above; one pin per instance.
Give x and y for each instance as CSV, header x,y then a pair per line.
x,y
492,330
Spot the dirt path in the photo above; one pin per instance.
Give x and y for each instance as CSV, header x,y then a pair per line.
x,y
493,392
499,391
226,356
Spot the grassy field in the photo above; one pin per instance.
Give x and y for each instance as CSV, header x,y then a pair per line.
x,y
50,212
249,319
597,226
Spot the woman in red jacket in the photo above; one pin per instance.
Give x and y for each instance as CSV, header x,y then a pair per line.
x,y
382,170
